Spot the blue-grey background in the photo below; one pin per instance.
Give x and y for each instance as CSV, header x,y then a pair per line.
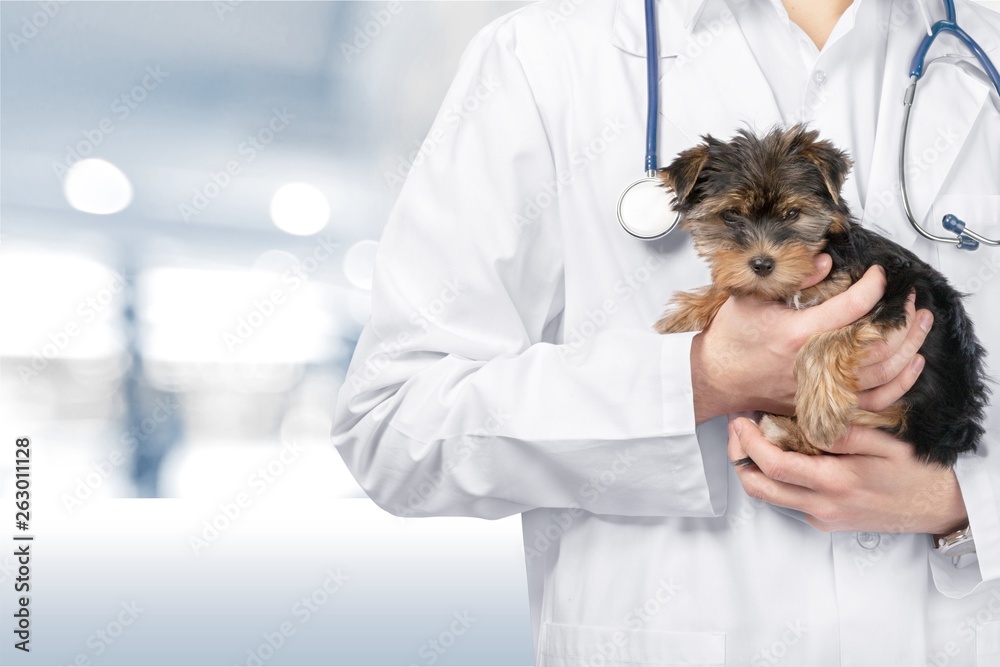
x,y
150,422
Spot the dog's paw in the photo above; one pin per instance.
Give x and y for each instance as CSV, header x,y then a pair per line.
x,y
824,424
673,322
691,311
786,434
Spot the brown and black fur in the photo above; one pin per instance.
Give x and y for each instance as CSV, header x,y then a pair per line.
x,y
774,202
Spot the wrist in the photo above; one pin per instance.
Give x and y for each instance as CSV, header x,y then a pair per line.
x,y
957,516
709,400
954,527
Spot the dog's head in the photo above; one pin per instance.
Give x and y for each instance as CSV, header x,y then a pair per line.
x,y
760,208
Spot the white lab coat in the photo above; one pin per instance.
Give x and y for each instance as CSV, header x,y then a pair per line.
x,y
510,366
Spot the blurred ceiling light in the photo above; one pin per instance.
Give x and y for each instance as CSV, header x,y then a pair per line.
x,y
65,305
300,209
233,316
97,186
359,263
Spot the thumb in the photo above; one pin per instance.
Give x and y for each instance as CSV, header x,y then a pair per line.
x,y
822,264
739,430
849,306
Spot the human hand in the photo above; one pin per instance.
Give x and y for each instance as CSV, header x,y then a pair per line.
x,y
744,359
876,484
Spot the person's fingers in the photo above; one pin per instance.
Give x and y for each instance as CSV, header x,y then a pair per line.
x,y
876,375
761,487
884,349
881,397
868,442
790,467
847,306
822,263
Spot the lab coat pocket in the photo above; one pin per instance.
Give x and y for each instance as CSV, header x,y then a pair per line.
x,y
988,645
562,645
970,272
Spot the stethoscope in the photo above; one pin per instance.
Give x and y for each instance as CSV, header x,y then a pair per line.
x,y
644,208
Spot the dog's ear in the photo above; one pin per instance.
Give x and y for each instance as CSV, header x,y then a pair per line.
x,y
682,174
833,163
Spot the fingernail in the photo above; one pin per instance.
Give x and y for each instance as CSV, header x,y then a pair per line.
x,y
737,426
918,363
925,319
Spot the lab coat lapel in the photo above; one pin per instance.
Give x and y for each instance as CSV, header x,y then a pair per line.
x,y
949,99
724,88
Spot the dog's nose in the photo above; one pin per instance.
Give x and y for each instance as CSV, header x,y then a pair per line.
x,y
762,266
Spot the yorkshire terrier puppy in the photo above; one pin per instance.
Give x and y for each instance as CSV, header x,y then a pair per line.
x,y
759,210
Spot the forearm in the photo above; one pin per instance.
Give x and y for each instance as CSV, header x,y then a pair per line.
x,y
608,428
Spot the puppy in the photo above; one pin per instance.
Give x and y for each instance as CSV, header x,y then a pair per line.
x,y
759,209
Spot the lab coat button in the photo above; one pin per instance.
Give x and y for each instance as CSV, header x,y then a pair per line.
x,y
819,76
869,540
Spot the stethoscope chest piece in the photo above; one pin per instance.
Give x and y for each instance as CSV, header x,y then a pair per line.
x,y
645,209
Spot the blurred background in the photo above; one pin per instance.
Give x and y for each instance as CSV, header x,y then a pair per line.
x,y
191,198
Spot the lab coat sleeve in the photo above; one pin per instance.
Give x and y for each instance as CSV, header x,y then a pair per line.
x,y
978,479
461,399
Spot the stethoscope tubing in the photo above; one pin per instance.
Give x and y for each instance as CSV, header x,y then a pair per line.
x,y
964,238
652,87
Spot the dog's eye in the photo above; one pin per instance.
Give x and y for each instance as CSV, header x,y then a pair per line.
x,y
791,214
731,217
